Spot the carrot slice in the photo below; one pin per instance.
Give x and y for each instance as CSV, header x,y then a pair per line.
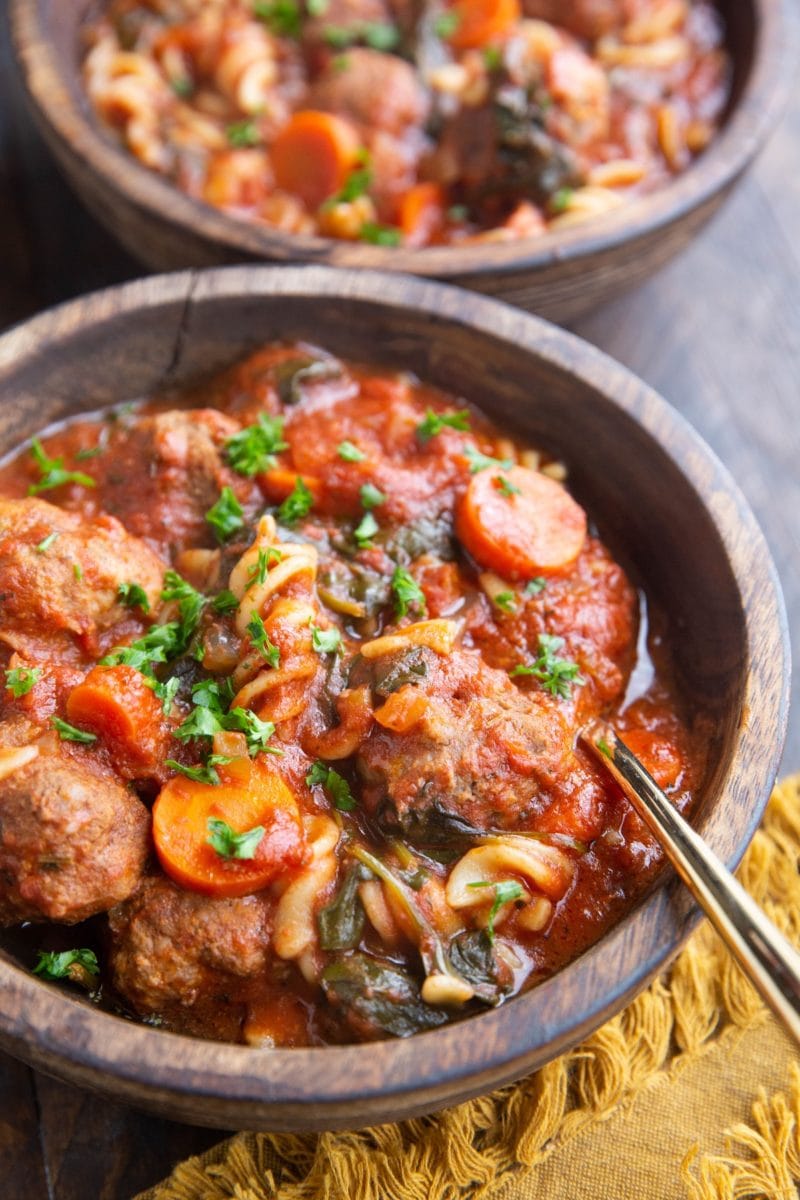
x,y
519,523
402,710
421,213
116,704
278,483
248,795
313,155
480,21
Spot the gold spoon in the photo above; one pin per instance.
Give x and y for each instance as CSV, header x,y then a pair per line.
x,y
770,962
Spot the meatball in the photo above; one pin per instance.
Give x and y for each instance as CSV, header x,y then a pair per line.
x,y
172,948
483,752
377,91
186,472
585,18
67,591
72,843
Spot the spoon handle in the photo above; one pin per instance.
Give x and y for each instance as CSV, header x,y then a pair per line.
x,y
766,957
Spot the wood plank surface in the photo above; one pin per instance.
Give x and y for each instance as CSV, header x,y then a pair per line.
x,y
717,332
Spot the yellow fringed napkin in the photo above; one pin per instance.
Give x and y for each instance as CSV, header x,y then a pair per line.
x,y
690,1093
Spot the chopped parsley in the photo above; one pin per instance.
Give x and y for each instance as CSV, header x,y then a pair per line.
x,y
446,24
560,201
166,692
297,504
190,603
283,17
357,184
365,529
209,717
505,486
408,594
504,891
379,35
77,571
258,571
371,496
261,642
20,680
350,453
325,641
535,586
229,844
556,675
253,449
493,58
603,747
226,516
69,733
256,731
158,645
435,422
67,964
507,601
242,134
335,785
52,472
205,774
225,601
133,595
46,543
380,235
482,462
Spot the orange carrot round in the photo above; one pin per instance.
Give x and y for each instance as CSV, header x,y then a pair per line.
x,y
116,704
421,213
480,21
520,523
313,155
249,795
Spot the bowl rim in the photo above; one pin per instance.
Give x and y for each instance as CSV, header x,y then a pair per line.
x,y
229,1085
777,25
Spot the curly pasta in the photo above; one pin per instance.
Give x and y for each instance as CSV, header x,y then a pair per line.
x,y
295,928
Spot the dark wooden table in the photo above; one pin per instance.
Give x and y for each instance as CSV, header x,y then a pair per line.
x,y
717,333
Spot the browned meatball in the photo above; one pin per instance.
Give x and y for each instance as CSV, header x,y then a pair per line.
x,y
171,947
186,472
72,843
482,751
68,591
585,18
377,91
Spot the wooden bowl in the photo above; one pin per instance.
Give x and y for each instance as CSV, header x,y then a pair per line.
x,y
660,498
560,275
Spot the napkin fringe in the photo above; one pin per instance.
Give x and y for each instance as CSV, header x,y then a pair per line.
x,y
469,1151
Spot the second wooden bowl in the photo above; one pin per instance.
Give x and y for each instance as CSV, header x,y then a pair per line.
x,y
560,275
661,500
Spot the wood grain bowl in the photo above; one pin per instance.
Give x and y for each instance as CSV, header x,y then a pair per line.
x,y
661,499
560,275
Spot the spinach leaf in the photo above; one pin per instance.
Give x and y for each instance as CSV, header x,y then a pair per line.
x,y
341,923
411,666
378,996
473,956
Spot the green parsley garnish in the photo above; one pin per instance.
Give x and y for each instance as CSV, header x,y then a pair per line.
x,y
365,529
190,603
493,58
349,452
560,201
166,692
282,16
20,680
505,486
379,35
556,675
253,449
229,844
408,593
535,586
261,642
158,645
371,496
52,472
325,641
357,184
506,600
242,134
77,571
380,235
226,516
132,595
205,774
69,733
445,25
435,422
258,571
297,504
317,8
256,731
334,784
603,747
224,602
46,543
481,462
67,964
504,891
